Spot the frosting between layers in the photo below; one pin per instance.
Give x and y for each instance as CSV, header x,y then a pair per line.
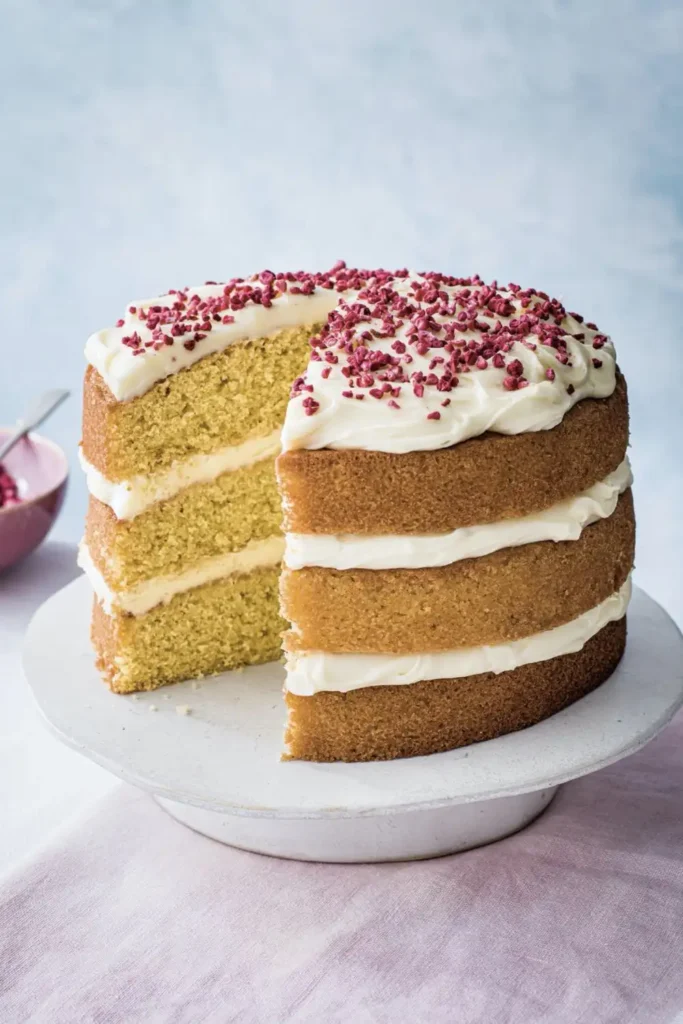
x,y
314,672
142,598
128,498
561,522
128,375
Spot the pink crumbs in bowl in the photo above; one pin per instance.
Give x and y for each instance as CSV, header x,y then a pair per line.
x,y
9,494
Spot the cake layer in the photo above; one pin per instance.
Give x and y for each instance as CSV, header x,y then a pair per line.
x,y
312,672
561,522
141,598
222,625
161,336
128,498
384,722
483,480
218,402
204,521
507,595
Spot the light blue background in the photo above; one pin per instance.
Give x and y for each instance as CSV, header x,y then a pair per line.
x,y
150,145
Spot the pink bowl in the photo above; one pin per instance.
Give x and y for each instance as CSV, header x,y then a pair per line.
x,y
40,470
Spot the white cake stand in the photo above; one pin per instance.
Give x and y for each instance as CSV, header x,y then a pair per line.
x,y
218,771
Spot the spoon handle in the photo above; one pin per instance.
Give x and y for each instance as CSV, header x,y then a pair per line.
x,y
34,416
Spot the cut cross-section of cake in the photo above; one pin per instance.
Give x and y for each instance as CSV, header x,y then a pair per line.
x,y
458,515
184,401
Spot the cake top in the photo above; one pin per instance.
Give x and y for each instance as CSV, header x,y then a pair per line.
x,y
419,361
405,361
159,336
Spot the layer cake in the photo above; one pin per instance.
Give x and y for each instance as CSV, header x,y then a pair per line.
x,y
184,400
458,515
459,528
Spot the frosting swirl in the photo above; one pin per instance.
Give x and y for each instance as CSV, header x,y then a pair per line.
x,y
424,362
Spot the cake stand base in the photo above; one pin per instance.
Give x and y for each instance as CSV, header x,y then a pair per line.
x,y
411,835
217,769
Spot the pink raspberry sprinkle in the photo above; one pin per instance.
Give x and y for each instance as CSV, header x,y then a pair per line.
x,y
9,493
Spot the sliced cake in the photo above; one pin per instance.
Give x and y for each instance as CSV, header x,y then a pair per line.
x,y
458,514
184,400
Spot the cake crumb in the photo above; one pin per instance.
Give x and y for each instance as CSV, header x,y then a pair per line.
x,y
183,709
195,684
153,707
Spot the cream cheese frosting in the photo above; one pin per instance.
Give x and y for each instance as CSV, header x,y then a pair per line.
x,y
158,337
479,404
128,375
128,498
144,596
516,360
314,672
561,522
550,360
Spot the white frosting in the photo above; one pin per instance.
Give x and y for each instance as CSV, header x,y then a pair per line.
x,y
479,402
160,590
128,498
560,522
314,672
128,375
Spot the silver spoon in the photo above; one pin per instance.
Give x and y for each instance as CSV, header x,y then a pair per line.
x,y
39,411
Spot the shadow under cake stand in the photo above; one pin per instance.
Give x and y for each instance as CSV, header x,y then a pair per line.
x,y
217,769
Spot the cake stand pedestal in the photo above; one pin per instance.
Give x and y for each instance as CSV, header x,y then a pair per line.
x,y
217,769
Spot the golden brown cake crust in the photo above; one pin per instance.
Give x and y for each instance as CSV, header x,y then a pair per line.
x,y
482,480
384,722
507,595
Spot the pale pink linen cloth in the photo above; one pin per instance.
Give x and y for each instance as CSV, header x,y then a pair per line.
x,y
579,919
